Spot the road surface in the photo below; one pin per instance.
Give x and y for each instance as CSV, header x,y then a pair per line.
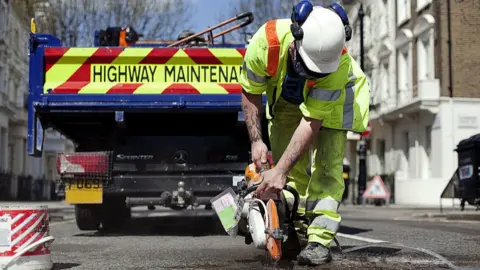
x,y
194,240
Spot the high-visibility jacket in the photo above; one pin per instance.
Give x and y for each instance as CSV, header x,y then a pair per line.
x,y
340,99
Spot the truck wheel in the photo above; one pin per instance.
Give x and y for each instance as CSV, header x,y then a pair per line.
x,y
116,213
87,216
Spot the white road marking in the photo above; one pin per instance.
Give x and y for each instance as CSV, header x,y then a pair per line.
x,y
360,238
62,222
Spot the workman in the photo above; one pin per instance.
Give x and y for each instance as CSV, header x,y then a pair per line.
x,y
316,92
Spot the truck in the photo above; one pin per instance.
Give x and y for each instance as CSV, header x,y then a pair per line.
x,y
154,123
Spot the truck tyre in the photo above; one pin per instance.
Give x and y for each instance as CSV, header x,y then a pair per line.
x,y
116,214
87,216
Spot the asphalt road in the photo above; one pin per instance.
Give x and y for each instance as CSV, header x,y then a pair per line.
x,y
195,240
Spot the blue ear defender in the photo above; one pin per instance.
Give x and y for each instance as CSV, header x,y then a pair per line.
x,y
344,17
300,14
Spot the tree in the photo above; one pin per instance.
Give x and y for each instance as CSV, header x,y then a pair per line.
x,y
264,10
75,22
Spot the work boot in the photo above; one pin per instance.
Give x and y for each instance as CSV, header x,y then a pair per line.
x,y
314,254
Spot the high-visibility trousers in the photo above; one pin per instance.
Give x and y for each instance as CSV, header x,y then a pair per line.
x,y
321,189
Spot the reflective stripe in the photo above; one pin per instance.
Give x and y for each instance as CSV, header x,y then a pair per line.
x,y
323,204
325,95
252,76
349,100
325,223
273,47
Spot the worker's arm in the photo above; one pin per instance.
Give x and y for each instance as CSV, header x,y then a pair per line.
x,y
299,144
254,83
252,107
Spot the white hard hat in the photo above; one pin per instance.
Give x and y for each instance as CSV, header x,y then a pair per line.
x,y
323,40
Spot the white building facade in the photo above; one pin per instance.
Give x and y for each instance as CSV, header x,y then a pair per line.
x,y
14,161
415,129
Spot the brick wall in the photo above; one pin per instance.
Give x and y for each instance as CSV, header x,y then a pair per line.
x,y
465,21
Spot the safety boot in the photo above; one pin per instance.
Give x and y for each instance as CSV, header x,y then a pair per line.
x,y
314,254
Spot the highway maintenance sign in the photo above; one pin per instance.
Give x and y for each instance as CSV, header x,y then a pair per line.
x,y
376,189
143,70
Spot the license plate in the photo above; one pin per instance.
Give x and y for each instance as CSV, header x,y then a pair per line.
x,y
84,191
345,175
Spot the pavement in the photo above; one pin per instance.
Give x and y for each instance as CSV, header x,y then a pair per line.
x,y
409,212
50,204
165,239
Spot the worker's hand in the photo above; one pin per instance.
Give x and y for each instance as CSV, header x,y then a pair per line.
x,y
273,181
259,153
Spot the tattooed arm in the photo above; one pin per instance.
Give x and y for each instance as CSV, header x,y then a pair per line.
x,y
252,105
300,143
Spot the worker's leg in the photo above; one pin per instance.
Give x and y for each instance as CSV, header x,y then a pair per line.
x,y
281,129
325,192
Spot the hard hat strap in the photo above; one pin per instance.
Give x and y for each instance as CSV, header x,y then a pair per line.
x,y
302,70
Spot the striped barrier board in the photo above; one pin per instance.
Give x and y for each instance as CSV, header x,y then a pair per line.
x,y
142,70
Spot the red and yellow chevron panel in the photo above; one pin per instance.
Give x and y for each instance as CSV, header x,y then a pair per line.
x,y
143,70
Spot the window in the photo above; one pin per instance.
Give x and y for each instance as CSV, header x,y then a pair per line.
x,y
11,158
3,19
403,11
428,149
11,90
423,30
24,161
3,146
19,98
422,4
404,65
381,154
383,14
406,145
428,140
384,82
373,93
368,31
16,36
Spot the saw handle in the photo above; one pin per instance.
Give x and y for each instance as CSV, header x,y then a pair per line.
x,y
296,201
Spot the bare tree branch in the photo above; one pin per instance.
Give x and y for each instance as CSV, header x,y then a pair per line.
x,y
75,21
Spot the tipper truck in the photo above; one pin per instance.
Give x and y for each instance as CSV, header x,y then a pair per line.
x,y
154,123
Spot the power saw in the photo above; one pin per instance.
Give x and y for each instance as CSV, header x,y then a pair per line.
x,y
268,220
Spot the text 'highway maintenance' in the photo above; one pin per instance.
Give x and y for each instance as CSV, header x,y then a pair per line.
x,y
164,73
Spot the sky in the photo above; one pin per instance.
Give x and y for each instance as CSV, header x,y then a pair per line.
x,y
208,13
